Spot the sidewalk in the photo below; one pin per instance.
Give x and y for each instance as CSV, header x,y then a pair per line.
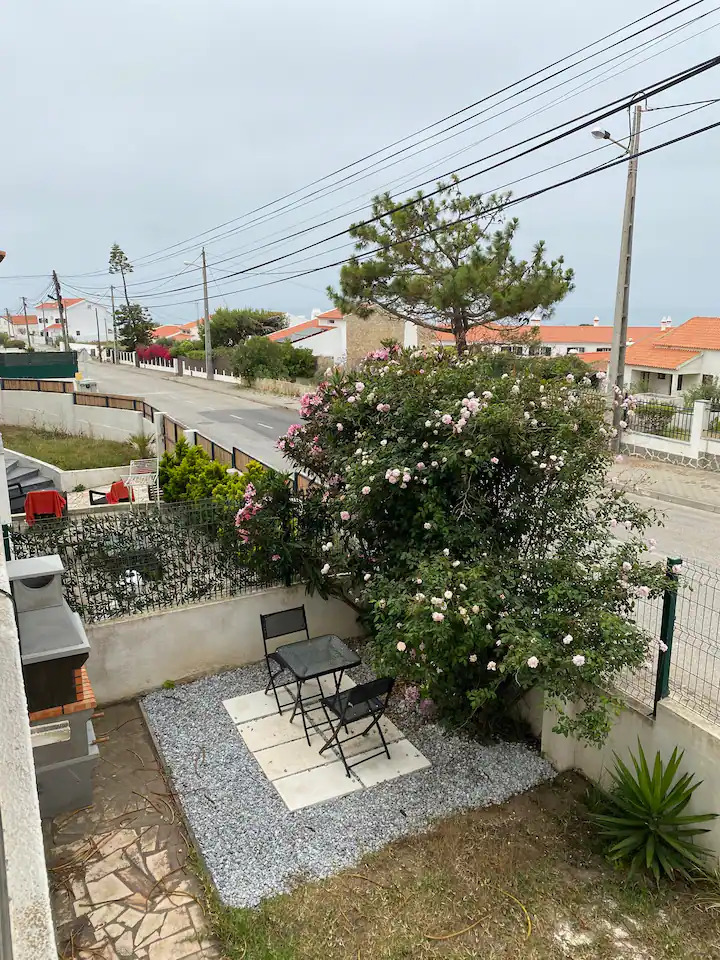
x,y
670,482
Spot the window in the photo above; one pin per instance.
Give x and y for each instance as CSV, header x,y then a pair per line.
x,y
77,333
603,349
679,382
575,350
660,376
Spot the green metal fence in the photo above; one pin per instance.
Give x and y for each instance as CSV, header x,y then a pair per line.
x,y
684,653
153,556
38,365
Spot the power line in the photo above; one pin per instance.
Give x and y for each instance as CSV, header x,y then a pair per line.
x,y
534,74
499,207
659,87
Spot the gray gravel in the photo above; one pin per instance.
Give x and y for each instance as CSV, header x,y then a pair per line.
x,y
254,847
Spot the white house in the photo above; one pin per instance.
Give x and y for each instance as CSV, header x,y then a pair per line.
x,y
325,335
81,321
673,360
27,329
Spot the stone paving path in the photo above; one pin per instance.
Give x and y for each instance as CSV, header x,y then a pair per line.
x,y
670,482
119,880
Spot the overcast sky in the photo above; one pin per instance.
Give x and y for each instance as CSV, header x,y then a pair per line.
x,y
148,122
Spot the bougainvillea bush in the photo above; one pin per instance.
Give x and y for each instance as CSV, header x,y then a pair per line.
x,y
467,515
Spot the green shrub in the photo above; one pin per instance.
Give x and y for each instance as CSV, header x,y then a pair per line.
x,y
189,474
653,417
704,391
643,817
260,357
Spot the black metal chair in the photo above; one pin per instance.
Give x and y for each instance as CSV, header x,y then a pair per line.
x,y
307,659
367,701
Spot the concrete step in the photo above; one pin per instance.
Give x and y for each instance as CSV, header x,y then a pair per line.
x,y
22,475
10,465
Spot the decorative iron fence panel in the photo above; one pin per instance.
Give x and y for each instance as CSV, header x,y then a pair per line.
x,y
151,557
662,418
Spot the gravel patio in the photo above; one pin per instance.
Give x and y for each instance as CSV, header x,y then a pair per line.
x,y
255,847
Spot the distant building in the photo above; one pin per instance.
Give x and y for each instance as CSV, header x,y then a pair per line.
x,y
81,319
20,327
177,331
671,360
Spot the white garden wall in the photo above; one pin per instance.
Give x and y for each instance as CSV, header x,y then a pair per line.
x,y
674,726
132,656
58,411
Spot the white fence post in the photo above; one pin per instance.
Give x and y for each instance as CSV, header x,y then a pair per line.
x,y
5,513
159,421
701,409
190,436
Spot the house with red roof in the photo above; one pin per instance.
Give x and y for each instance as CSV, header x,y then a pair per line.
x,y
671,361
83,317
177,331
325,334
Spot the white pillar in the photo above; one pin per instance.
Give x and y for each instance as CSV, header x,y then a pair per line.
x,y
5,514
559,750
190,436
701,412
159,421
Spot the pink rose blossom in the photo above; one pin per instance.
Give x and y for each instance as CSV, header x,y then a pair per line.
x,y
578,660
533,663
344,515
275,556
494,460
446,418
366,491
339,428
438,617
402,647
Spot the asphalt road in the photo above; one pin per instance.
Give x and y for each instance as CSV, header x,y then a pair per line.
x,y
221,413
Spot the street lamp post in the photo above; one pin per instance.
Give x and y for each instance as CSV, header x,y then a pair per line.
x,y
616,371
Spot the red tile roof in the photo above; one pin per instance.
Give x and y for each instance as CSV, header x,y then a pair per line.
x,y
597,360
19,321
654,355
333,314
312,325
52,327
168,330
698,333
52,304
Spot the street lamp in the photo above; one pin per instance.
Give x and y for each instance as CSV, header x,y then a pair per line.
x,y
616,371
209,369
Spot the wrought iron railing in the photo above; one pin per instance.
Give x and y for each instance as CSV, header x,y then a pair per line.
x,y
661,418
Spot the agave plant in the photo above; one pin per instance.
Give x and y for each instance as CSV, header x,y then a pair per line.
x,y
643,817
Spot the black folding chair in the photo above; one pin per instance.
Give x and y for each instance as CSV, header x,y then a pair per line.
x,y
367,701
307,659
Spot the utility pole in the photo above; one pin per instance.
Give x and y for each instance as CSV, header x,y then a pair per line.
x,y
97,324
9,322
61,311
27,326
209,372
112,300
616,371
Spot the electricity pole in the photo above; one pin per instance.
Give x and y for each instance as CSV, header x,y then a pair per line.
x,y
209,372
97,324
61,311
27,326
112,300
616,371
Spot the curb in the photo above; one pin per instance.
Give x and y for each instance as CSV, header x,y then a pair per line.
x,y
234,391
672,498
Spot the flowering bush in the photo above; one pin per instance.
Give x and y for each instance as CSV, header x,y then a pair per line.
x,y
153,352
472,514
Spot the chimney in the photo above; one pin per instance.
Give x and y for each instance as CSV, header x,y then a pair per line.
x,y
596,321
665,324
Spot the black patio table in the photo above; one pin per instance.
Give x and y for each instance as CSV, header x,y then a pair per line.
x,y
312,660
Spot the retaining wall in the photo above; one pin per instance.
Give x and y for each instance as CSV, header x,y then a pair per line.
x,y
58,411
674,726
138,654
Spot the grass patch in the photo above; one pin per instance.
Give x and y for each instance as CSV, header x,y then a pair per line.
x,y
66,451
523,879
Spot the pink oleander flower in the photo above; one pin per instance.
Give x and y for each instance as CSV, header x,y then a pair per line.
x,y
275,556
446,419
339,428
643,591
533,663
627,567
401,646
344,515
438,617
359,386
578,660
494,461
365,491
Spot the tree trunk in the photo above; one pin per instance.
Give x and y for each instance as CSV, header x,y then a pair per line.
x,y
460,337
122,274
